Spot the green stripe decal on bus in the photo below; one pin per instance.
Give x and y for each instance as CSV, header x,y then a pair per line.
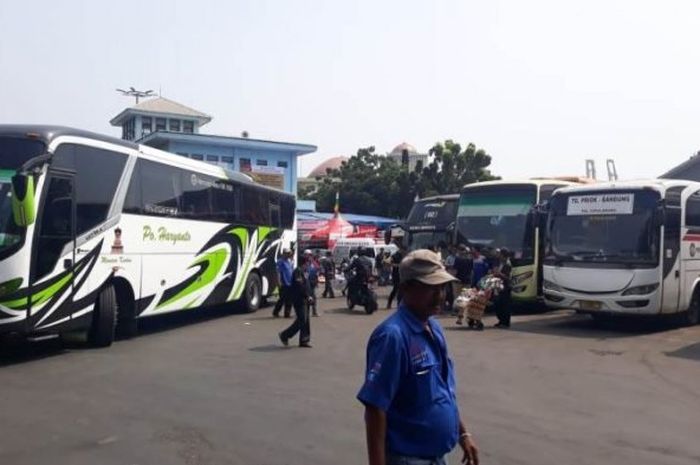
x,y
42,296
212,263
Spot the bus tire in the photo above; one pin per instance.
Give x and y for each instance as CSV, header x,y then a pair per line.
x,y
104,319
692,316
127,323
252,294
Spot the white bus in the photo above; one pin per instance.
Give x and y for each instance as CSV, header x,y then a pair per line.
x,y
96,232
497,214
625,248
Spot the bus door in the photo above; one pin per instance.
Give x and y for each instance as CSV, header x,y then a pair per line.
x,y
672,243
55,239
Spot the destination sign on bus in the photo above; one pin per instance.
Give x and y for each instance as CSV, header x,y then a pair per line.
x,y
601,204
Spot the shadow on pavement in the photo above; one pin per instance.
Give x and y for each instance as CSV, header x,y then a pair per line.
x,y
18,350
269,348
15,352
691,352
583,326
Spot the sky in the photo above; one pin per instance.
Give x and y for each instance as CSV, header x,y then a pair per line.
x,y
540,85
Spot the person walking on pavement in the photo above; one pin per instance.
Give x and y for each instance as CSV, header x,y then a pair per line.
x,y
328,267
503,301
311,269
301,297
284,272
395,278
409,391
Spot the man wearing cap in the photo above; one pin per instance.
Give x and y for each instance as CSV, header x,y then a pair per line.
x,y
409,392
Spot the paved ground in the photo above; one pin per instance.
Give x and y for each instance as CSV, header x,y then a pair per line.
x,y
218,389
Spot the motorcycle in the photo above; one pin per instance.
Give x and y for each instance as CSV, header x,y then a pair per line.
x,y
360,293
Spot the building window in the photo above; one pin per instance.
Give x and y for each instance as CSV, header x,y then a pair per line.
x,y
244,164
188,126
146,125
213,158
261,162
183,154
227,160
197,156
175,125
160,124
282,164
128,132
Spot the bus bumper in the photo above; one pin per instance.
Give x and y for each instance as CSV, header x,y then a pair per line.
x,y
649,304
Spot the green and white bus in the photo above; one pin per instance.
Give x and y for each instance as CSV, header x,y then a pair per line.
x,y
97,232
501,214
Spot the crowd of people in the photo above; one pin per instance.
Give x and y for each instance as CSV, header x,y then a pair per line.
x,y
482,279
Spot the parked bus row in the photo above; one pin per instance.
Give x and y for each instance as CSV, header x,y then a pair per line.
x,y
605,248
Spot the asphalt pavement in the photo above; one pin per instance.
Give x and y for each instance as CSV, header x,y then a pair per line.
x,y
214,387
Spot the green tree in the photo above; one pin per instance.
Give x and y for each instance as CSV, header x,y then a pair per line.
x,y
372,184
452,168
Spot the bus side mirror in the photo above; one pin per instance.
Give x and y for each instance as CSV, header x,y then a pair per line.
x,y
23,207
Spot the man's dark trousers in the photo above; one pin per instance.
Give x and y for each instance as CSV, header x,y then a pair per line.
x,y
301,323
328,290
285,298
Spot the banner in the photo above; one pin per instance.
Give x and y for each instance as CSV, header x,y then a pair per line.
x,y
601,204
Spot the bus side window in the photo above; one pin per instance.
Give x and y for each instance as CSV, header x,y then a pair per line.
x,y
97,175
226,202
196,199
161,189
288,210
275,211
692,210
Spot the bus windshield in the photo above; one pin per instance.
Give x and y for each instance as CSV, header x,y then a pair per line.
x,y
605,227
497,217
14,152
433,212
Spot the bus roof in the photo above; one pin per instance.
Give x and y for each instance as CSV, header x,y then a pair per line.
x,y
439,197
657,184
531,182
51,133
47,133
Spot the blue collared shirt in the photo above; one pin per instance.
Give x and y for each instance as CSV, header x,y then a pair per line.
x,y
284,268
411,378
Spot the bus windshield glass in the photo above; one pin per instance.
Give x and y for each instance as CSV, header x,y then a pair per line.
x,y
499,216
14,152
440,212
606,227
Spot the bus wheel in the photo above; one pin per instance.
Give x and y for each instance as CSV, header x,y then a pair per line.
x,y
252,296
692,316
104,319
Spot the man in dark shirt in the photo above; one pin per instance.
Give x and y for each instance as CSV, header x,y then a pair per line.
x,y
395,278
409,391
503,301
463,268
301,295
328,268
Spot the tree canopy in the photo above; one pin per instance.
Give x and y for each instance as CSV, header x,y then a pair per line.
x,y
372,184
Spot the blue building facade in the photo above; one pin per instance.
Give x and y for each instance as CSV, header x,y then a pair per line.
x,y
175,128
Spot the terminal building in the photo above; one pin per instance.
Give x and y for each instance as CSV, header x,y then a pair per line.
x,y
173,127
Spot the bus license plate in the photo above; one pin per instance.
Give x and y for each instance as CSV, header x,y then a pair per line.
x,y
590,304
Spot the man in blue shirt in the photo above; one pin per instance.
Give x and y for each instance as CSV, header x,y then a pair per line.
x,y
284,272
409,392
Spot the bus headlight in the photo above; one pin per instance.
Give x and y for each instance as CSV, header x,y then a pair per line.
x,y
641,290
550,286
520,278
